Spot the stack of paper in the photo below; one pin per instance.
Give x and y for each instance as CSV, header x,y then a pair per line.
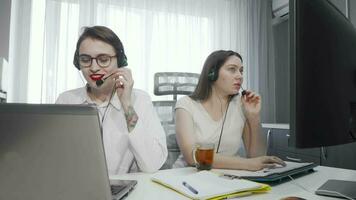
x,y
209,185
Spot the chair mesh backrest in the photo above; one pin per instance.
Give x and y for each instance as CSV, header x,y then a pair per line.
x,y
174,83
165,111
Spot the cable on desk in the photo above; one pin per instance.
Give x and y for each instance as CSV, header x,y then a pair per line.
x,y
297,184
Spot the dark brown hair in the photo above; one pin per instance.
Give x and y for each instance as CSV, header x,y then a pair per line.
x,y
212,63
106,35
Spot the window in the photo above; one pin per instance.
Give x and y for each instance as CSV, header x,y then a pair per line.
x,y
158,36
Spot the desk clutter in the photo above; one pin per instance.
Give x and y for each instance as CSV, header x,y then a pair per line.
x,y
208,185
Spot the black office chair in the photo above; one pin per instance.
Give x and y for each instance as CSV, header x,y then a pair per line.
x,y
171,83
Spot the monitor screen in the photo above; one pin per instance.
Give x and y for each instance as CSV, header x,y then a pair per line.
x,y
322,75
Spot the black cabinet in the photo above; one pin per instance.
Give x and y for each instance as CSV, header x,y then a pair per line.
x,y
277,143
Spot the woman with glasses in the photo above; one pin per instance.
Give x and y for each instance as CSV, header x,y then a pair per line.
x,y
133,137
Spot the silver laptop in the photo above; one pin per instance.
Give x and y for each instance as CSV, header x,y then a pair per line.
x,y
53,152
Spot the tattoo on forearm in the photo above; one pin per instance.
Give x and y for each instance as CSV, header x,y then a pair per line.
x,y
131,118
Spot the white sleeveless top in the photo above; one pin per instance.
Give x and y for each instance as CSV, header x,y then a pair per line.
x,y
208,130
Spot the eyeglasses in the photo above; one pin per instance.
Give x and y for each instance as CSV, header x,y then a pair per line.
x,y
102,60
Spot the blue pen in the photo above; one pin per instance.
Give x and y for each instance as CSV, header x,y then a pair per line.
x,y
190,187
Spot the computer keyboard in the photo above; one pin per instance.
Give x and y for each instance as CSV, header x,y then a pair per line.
x,y
279,168
116,189
279,174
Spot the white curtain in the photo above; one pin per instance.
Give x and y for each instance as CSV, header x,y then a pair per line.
x,y
158,36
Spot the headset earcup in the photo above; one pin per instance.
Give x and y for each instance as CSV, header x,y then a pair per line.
x,y
213,75
122,60
76,60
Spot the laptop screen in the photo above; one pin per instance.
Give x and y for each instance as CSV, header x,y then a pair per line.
x,y
51,152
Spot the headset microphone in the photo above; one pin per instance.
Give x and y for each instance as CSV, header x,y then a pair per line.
x,y
101,81
243,92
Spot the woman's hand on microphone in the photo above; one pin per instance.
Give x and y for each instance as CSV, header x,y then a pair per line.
x,y
252,104
124,84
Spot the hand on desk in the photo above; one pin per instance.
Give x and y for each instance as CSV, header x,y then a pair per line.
x,y
259,163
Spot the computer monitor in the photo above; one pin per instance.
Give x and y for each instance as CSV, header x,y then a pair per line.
x,y
322,75
323,78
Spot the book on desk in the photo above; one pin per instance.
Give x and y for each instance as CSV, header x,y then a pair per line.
x,y
208,185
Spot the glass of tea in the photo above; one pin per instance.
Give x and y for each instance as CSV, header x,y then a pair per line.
x,y
203,155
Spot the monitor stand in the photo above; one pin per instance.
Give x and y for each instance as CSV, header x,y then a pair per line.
x,y
338,188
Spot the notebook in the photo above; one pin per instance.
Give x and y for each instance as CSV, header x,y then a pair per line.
x,y
52,152
270,175
208,185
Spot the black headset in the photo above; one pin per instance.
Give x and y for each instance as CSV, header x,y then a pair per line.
x,y
120,54
213,74
122,59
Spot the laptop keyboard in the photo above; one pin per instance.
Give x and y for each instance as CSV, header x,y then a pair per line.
x,y
115,189
280,169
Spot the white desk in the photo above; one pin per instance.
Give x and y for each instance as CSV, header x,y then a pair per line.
x,y
146,189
